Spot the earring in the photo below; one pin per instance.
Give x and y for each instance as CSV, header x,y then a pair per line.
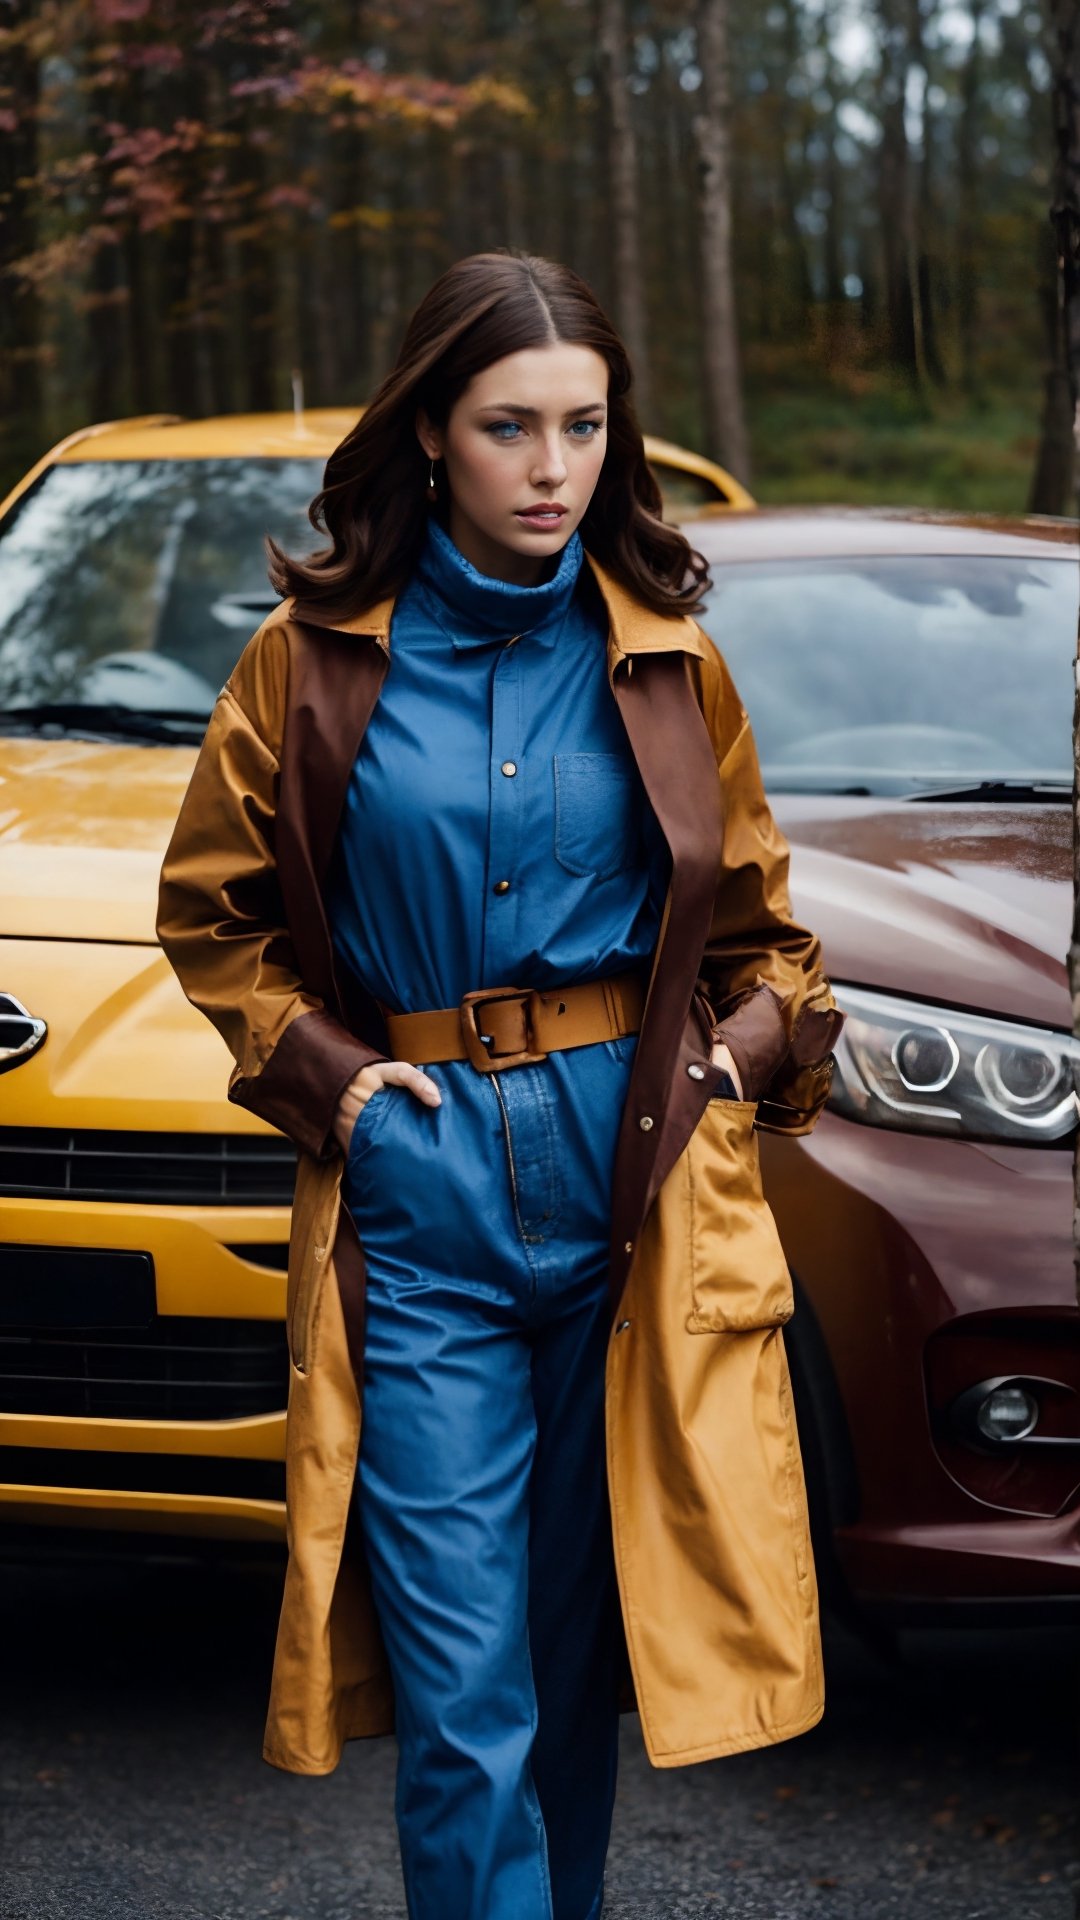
x,y
432,492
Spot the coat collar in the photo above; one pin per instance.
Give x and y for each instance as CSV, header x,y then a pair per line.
x,y
632,626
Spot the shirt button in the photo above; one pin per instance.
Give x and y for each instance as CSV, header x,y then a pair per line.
x,y
509,766
695,1072
503,886
645,1122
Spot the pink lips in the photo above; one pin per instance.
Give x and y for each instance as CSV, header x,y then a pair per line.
x,y
538,513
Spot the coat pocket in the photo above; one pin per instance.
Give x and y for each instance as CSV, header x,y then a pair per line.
x,y
738,1274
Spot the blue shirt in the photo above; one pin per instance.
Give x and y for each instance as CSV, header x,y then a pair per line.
x,y
496,831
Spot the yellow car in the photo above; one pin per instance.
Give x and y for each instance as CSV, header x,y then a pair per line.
x,y
143,1218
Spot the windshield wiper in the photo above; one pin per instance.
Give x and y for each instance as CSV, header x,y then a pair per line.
x,y
1059,790
177,726
813,791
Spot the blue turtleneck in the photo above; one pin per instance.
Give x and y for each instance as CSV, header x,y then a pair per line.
x,y
496,754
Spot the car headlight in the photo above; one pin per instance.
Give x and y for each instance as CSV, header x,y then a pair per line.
x,y
926,1069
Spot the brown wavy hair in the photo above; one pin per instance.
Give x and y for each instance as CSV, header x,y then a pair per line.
x,y
373,505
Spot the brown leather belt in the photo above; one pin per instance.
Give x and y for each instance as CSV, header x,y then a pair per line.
x,y
497,1027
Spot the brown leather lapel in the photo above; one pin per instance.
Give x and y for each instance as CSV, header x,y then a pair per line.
x,y
334,683
675,757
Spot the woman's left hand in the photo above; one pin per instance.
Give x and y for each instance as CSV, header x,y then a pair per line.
x,y
721,1057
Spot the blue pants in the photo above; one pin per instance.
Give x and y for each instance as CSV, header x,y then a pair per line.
x,y
481,1487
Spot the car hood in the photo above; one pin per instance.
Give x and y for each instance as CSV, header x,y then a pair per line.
x,y
966,904
83,831
970,905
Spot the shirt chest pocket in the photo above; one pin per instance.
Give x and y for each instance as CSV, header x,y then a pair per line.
x,y
597,814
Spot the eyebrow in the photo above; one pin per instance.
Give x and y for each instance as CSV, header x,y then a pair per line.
x,y
533,413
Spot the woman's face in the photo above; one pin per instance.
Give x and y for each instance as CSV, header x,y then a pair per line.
x,y
529,431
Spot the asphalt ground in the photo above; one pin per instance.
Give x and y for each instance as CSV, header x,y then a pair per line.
x,y
941,1782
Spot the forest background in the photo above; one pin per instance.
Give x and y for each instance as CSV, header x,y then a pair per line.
x,y
822,225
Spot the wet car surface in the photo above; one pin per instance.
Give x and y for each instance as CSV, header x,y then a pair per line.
x,y
909,679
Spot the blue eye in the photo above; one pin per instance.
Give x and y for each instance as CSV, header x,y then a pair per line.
x,y
592,428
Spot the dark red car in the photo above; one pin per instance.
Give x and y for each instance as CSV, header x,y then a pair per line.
x,y
910,677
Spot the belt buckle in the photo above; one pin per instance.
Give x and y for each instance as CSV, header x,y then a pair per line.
x,y
475,1046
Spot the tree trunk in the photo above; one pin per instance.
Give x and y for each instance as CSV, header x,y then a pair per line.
x,y
726,422
1053,481
894,188
836,314
801,278
793,172
967,305
21,409
625,205
925,221
140,335
107,375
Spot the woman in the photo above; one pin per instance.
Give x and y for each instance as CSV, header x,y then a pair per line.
x,y
476,877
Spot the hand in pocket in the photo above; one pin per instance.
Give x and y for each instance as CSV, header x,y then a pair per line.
x,y
369,1081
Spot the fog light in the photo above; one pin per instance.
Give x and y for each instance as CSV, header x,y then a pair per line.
x,y
1008,1413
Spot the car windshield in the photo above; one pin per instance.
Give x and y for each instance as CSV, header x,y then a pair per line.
x,y
136,583
902,675
129,587
132,586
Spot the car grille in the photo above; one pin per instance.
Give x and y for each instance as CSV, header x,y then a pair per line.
x,y
173,1369
184,1169
142,1473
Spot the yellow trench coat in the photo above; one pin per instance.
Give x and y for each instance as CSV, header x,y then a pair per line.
x,y
709,1514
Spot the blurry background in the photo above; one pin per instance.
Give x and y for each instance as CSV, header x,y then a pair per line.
x,y
197,201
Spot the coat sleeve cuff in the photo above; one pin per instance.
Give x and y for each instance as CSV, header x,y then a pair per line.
x,y
788,1077
751,1025
795,1096
299,1087
799,1110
